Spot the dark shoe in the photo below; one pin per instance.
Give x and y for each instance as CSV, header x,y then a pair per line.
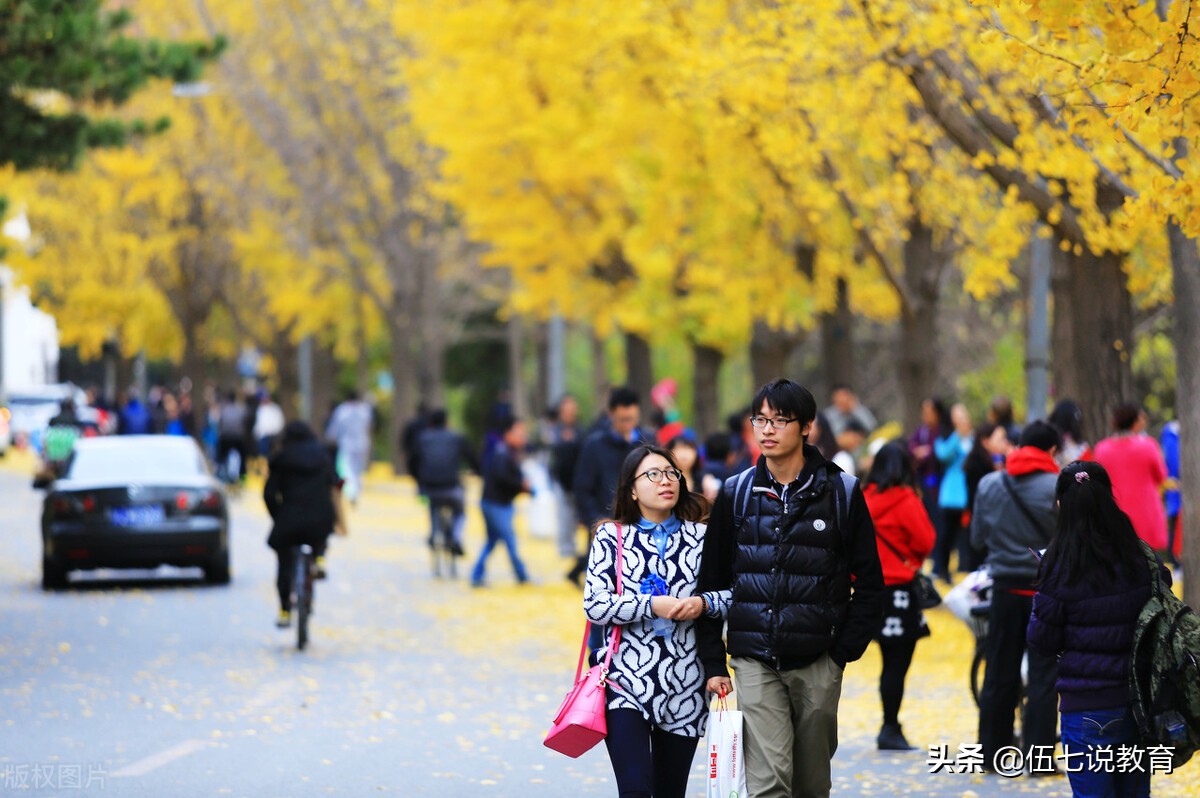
x,y
455,549
891,738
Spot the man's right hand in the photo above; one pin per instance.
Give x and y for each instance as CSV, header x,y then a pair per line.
x,y
717,683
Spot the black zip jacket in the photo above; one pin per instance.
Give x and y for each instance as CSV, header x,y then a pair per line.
x,y
298,494
803,583
502,479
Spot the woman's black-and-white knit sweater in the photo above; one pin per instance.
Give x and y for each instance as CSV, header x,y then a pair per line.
x,y
660,676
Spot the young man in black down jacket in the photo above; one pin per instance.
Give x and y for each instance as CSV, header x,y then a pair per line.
x,y
794,540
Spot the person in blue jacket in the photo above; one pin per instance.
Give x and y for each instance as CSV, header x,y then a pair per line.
x,y
951,451
1170,448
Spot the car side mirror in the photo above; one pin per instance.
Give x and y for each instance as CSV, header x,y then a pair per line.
x,y
42,481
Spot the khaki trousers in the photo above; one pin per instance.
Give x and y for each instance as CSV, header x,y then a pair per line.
x,y
790,720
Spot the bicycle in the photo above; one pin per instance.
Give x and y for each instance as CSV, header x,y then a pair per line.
x,y
302,591
444,547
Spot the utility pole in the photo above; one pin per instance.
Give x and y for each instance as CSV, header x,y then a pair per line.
x,y
1037,345
556,357
305,355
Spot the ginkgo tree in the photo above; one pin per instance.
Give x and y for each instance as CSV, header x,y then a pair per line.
x,y
665,164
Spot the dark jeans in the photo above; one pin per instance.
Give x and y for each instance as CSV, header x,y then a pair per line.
x,y
948,537
285,576
1001,691
227,444
452,498
897,657
647,761
1172,523
1085,732
498,518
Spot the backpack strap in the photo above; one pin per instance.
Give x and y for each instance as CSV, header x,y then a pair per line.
x,y
738,488
843,489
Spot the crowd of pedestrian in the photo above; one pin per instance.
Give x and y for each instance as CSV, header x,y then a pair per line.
x,y
802,565
777,548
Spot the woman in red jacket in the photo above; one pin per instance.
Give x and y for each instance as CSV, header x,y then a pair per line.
x,y
905,537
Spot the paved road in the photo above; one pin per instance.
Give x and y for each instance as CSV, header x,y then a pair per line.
x,y
152,684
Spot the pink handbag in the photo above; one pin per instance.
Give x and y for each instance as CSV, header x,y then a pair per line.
x,y
581,721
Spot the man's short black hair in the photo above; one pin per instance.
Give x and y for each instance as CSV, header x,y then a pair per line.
x,y
1041,435
717,447
437,419
788,399
854,425
623,396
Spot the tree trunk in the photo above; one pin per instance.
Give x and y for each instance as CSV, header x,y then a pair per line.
x,y
837,340
541,384
404,393
770,352
287,388
706,372
600,381
1185,272
916,361
516,361
639,373
362,378
1093,332
431,361
325,368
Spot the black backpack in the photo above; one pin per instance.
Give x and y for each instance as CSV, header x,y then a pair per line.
x,y
1164,673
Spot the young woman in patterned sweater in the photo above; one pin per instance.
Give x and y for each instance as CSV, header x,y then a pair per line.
x,y
657,705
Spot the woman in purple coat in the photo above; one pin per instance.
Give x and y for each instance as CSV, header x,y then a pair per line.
x,y
1093,582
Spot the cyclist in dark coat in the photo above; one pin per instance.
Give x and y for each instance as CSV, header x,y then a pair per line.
x,y
299,497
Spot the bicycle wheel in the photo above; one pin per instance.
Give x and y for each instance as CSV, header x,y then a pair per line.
x,y
977,668
303,592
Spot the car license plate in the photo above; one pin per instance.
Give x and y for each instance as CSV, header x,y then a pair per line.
x,y
143,515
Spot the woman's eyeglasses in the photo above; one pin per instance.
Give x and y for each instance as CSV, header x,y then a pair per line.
x,y
657,475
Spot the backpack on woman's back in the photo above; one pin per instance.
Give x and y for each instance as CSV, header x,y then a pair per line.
x,y
1164,673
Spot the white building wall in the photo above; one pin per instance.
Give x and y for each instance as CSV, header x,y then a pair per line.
x,y
30,337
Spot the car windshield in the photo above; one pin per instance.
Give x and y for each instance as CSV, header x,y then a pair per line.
x,y
135,463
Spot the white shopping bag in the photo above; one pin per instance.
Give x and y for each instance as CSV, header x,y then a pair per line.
x,y
541,511
965,595
725,765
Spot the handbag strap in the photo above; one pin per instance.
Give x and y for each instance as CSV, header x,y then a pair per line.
x,y
1024,508
616,635
890,545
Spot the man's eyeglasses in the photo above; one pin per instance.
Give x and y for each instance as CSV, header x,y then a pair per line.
x,y
761,422
657,475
